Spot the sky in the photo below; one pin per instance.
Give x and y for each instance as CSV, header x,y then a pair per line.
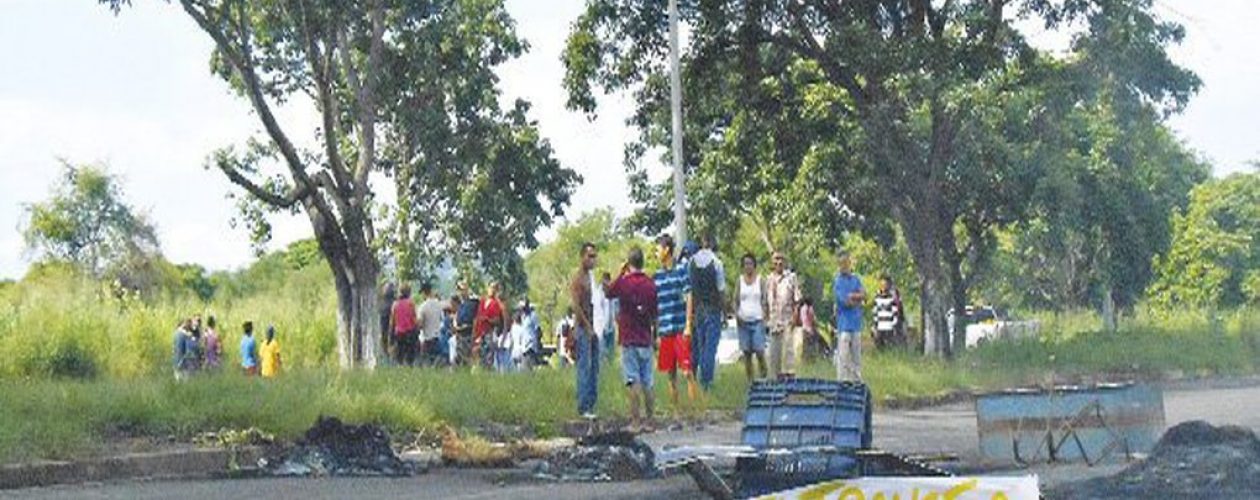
x,y
134,92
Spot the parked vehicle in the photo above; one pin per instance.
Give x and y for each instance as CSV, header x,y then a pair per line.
x,y
728,345
987,323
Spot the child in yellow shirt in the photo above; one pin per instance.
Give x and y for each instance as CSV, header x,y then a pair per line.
x,y
270,354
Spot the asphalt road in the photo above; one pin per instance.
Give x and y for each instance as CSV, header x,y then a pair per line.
x,y
949,429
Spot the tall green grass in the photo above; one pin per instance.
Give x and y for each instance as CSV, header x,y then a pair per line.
x,y
47,418
1189,343
65,325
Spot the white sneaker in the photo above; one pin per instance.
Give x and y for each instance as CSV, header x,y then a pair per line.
x,y
589,416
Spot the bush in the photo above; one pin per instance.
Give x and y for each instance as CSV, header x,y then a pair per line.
x,y
71,360
61,324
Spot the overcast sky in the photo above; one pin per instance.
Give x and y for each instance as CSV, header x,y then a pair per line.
x,y
134,92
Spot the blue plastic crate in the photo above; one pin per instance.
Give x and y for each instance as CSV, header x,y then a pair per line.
x,y
808,412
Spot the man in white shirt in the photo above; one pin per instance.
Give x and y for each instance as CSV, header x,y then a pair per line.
x,y
430,317
602,314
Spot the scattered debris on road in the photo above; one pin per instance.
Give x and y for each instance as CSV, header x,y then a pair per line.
x,y
614,456
228,438
332,448
1192,460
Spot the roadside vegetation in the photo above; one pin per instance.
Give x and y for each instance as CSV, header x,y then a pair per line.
x,y
80,369
85,345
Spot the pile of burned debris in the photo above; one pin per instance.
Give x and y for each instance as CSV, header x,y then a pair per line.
x,y
1193,460
615,456
332,448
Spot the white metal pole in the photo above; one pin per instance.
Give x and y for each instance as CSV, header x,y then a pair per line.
x,y
675,83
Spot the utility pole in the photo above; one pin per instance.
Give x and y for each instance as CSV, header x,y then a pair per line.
x,y
675,84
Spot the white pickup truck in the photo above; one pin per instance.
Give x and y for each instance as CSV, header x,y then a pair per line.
x,y
986,324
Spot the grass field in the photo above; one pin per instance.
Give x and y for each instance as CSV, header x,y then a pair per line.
x,y
57,418
77,370
47,418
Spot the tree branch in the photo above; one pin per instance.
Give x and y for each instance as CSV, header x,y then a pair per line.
x,y
936,18
995,21
279,201
809,47
253,89
321,64
367,99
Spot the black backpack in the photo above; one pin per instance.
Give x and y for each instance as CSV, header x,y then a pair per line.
x,y
704,287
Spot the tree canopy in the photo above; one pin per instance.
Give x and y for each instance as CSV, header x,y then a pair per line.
x,y
1214,259
87,222
830,117
404,89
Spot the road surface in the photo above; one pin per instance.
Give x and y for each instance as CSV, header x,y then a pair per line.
x,y
943,429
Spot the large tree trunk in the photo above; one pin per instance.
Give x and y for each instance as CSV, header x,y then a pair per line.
x,y
957,291
355,273
916,197
358,323
1108,309
921,238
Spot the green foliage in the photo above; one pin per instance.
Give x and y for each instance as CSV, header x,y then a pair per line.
x,y
402,88
193,277
1144,351
1098,216
86,221
57,322
1215,253
825,119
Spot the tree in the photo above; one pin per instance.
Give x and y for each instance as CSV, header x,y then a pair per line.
x,y
87,222
1100,214
1214,259
934,115
402,88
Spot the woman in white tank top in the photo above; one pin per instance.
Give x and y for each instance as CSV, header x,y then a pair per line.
x,y
750,316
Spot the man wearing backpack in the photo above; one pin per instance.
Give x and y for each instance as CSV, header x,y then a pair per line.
x,y
635,318
704,311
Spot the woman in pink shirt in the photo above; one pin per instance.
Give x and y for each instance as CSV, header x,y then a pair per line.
x,y
403,323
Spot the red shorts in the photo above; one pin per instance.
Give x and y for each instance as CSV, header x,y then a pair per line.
x,y
675,354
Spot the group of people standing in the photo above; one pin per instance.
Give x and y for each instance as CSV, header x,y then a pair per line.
x,y
464,330
671,322
198,348
775,320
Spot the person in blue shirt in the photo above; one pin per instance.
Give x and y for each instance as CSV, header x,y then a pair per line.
x,y
249,350
186,347
850,296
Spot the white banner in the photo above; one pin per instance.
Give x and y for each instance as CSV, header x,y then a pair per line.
x,y
917,488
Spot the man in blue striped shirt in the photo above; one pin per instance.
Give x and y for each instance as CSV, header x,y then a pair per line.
x,y
672,289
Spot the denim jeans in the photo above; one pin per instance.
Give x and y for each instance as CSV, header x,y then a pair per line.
x,y
587,347
705,337
610,344
636,366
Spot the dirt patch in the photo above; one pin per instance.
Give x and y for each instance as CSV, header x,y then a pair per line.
x,y
1192,460
614,456
332,448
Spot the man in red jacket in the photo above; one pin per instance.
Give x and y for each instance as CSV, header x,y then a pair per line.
x,y
637,293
